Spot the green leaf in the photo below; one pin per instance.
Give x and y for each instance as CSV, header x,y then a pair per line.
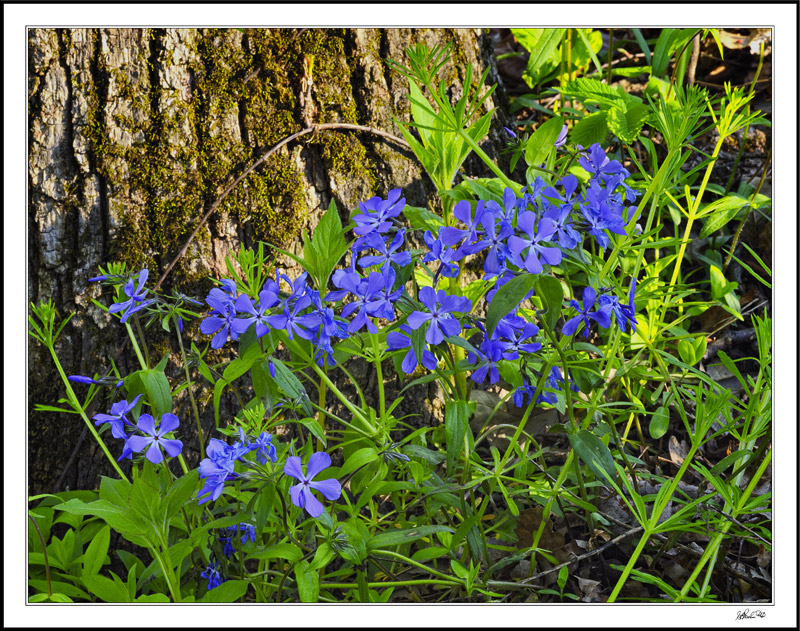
x,y
659,423
361,457
456,422
594,453
590,130
549,289
719,286
227,592
180,492
423,219
357,536
307,582
723,210
107,590
594,92
507,299
154,385
423,453
328,244
401,536
543,45
123,520
286,551
322,557
626,125
539,145
96,552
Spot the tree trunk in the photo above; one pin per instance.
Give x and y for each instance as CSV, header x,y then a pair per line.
x,y
133,133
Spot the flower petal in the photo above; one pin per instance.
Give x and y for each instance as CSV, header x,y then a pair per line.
x,y
147,424
295,495
169,422
154,454
172,447
312,505
294,468
317,462
331,489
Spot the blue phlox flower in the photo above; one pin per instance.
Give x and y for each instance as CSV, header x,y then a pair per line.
x,y
293,321
525,390
523,342
488,357
388,254
212,574
622,313
248,532
364,289
155,440
218,467
441,307
442,254
136,297
462,211
601,215
117,418
221,317
264,448
301,494
601,316
376,213
598,164
534,240
562,137
381,303
228,287
400,339
254,314
506,212
495,240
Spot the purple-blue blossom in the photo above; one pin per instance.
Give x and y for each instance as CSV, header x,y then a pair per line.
x,y
300,493
601,316
136,297
154,440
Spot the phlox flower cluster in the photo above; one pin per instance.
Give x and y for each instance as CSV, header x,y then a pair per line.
x,y
153,439
519,234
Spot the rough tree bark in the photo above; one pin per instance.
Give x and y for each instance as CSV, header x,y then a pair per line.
x,y
133,133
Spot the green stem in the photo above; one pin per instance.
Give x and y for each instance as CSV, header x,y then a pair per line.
x,y
44,553
136,349
713,546
376,349
78,408
190,388
626,572
323,393
141,336
689,223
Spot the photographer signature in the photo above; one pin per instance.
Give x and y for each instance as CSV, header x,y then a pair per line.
x,y
746,615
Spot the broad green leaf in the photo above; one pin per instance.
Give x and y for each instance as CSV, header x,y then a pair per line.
x,y
307,582
594,92
228,592
286,551
401,536
507,299
115,491
626,125
456,421
180,492
590,130
123,520
543,45
423,219
154,385
328,244
539,145
594,453
659,423
96,552
357,536
107,590
322,557
361,457
549,289
417,451
722,211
